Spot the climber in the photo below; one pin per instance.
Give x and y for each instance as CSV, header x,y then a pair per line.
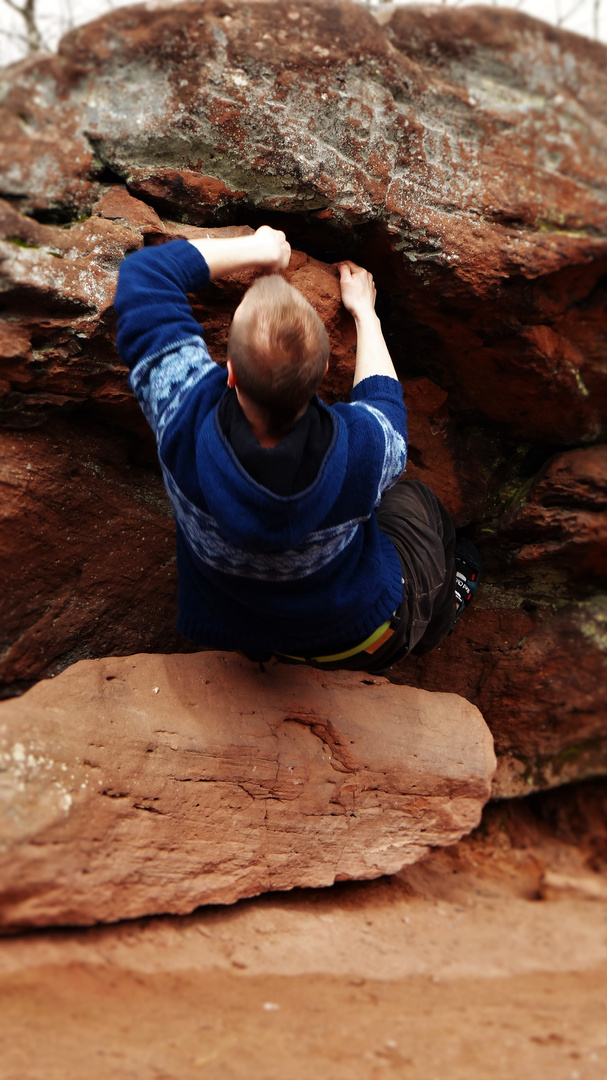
x,y
294,538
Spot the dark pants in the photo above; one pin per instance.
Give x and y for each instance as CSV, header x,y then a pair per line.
x,y
424,537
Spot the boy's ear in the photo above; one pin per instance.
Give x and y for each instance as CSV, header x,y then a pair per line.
x,y
231,375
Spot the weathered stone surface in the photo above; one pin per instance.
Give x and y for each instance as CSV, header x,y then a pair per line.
x,y
466,148
155,784
57,337
531,652
88,552
87,537
440,455
565,511
540,678
458,153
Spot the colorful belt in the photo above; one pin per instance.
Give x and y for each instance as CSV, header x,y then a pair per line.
x,y
370,645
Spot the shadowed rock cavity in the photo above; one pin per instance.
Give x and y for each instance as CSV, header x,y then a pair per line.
x,y
461,155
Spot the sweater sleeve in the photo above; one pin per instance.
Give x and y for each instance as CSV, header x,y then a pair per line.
x,y
378,400
158,337
151,302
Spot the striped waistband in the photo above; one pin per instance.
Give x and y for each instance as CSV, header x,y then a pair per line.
x,y
369,645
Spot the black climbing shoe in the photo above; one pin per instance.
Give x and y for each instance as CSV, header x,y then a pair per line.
x,y
468,569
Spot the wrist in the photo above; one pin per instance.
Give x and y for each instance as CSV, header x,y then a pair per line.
x,y
366,316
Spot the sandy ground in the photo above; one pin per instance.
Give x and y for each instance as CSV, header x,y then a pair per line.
x,y
488,961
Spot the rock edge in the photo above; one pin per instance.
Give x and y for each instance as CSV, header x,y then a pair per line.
x,y
148,784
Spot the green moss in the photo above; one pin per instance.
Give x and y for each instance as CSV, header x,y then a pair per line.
x,y
569,754
557,225
514,493
18,241
546,772
592,620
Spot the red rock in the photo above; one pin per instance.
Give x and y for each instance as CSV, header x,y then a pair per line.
x,y
71,276
112,586
153,784
468,138
454,151
539,678
564,515
87,549
438,455
183,190
117,204
530,652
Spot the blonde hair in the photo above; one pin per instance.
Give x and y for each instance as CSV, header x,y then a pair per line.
x,y
279,349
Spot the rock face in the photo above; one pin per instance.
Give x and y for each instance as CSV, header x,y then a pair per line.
x,y
467,147
154,784
541,679
87,537
531,652
461,155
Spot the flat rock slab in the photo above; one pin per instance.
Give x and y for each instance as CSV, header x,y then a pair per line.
x,y
145,784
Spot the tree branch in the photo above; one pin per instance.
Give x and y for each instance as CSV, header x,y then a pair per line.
x,y
28,14
14,6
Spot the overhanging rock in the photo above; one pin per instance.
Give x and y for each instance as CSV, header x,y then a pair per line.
x,y
148,784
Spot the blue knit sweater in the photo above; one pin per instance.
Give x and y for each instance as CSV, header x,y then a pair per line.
x,y
258,571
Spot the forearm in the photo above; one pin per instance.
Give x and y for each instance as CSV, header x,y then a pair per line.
x,y
265,249
372,356
227,256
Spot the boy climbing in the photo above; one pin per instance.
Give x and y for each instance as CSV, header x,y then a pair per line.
x,y
294,538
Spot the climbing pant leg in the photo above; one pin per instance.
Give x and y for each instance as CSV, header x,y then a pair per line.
x,y
424,537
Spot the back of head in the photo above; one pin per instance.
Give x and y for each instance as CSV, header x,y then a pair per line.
x,y
279,349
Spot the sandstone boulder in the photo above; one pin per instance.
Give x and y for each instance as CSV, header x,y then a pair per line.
x,y
154,784
465,150
458,153
539,673
87,538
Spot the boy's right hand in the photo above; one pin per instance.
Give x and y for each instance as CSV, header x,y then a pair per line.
x,y
273,250
265,249
357,288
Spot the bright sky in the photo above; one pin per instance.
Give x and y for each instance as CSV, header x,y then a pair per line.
x,y
56,16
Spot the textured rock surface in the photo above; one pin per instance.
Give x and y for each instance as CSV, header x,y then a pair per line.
x,y
87,537
149,784
468,147
87,544
565,511
458,153
531,652
504,931
541,679
57,336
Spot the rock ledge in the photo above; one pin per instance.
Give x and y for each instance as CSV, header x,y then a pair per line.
x,y
148,784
